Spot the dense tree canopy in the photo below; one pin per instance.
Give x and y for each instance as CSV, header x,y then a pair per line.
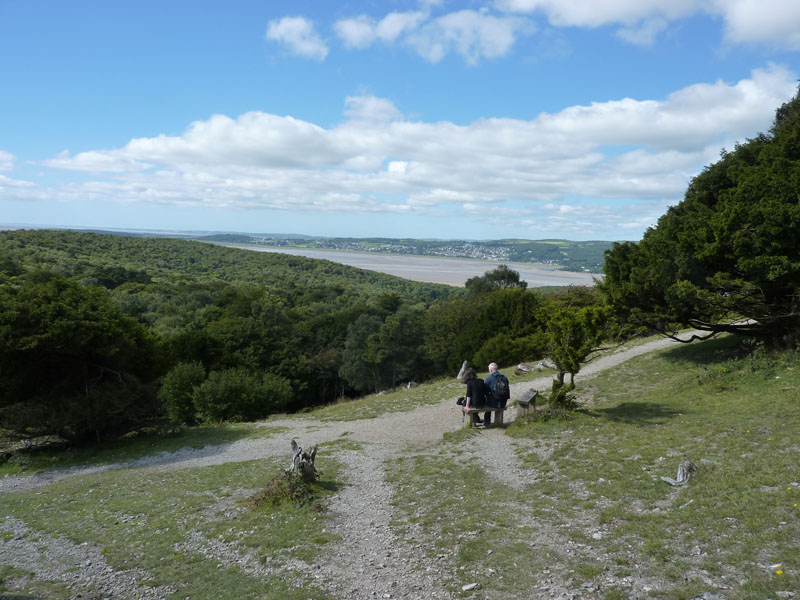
x,y
101,334
72,364
727,258
501,278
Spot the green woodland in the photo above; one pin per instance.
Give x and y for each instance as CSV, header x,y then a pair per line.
x,y
101,335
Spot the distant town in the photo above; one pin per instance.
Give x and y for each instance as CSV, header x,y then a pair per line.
x,y
574,256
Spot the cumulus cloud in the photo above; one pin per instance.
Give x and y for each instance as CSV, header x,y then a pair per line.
x,y
298,35
638,151
363,31
8,182
587,13
773,22
474,35
6,161
96,161
644,33
471,34
370,108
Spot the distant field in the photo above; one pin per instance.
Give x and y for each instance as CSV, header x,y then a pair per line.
x,y
452,271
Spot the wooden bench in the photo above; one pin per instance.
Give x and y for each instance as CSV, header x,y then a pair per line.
x,y
472,413
527,403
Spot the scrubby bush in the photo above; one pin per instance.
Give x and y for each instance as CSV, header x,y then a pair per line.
x,y
176,391
239,395
283,489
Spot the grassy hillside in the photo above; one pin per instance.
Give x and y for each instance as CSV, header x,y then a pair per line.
x,y
585,513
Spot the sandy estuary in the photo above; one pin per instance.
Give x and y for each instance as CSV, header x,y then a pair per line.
x,y
435,269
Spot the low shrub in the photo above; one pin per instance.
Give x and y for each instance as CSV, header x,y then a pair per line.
x,y
239,395
286,488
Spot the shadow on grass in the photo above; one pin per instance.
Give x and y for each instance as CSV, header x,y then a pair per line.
x,y
709,352
637,413
329,486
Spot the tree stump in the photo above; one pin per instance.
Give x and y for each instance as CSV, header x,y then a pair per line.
x,y
303,463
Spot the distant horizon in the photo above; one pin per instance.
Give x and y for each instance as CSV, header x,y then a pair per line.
x,y
284,235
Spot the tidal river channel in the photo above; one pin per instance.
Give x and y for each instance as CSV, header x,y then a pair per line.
x,y
452,271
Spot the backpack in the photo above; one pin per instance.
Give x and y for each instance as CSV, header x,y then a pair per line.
x,y
500,389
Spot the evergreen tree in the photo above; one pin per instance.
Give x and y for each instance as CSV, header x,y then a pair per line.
x,y
727,258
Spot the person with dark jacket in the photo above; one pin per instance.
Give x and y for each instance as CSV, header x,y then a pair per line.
x,y
476,393
499,390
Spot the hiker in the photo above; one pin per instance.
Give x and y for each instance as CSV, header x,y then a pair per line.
x,y
476,392
499,391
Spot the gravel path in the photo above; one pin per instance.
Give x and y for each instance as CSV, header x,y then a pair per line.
x,y
369,561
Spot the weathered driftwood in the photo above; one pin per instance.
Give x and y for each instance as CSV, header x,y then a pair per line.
x,y
303,462
685,470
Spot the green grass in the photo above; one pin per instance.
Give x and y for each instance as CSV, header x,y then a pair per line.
x,y
167,522
737,419
598,511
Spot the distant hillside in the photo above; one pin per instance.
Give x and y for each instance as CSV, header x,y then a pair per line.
x,y
575,256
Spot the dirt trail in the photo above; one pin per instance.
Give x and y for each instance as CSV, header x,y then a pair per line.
x,y
369,561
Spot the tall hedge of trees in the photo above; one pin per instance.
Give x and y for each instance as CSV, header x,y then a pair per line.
x,y
727,258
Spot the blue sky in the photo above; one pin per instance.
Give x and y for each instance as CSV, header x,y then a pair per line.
x,y
577,119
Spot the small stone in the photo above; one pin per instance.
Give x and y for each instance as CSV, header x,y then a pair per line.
x,y
470,586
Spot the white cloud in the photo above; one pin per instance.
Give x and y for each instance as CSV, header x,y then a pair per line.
x,y
589,13
397,167
643,34
475,35
6,161
358,32
394,25
8,182
638,152
362,31
96,161
370,108
772,22
297,33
